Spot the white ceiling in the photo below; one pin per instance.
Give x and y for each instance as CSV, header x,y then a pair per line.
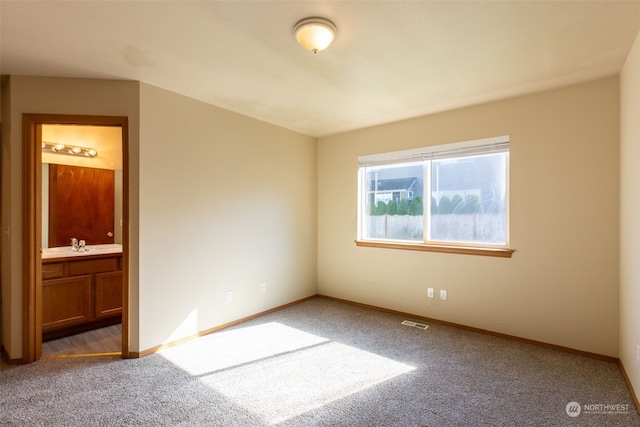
x,y
391,60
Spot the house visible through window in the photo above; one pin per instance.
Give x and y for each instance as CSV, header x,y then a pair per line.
x,y
453,194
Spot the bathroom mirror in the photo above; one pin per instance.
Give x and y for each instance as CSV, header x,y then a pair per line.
x,y
82,166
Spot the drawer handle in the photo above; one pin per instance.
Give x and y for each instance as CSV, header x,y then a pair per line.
x,y
110,234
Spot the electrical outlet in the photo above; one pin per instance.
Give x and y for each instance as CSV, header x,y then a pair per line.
x,y
429,292
263,287
443,294
229,296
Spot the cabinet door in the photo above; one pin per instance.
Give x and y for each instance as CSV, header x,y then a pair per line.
x,y
108,294
66,302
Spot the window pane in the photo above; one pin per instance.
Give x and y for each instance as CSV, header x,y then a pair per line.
x,y
468,199
393,202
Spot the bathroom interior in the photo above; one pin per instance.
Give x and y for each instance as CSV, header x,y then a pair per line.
x,y
82,222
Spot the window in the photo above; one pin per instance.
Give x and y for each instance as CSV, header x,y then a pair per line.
x,y
437,198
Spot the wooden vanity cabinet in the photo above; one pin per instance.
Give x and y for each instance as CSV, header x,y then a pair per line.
x,y
80,294
66,302
108,293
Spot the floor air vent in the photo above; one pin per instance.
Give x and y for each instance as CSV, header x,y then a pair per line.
x,y
415,324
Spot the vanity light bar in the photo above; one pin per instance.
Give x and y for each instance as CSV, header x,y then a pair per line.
x,y
71,150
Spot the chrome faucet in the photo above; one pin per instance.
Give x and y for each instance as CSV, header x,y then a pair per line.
x,y
78,245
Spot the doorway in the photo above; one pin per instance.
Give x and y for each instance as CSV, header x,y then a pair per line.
x,y
33,229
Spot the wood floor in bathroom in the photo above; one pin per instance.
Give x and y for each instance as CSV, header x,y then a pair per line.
x,y
99,341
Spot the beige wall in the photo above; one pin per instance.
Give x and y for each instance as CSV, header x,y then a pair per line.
x,y
218,201
47,96
561,286
226,203
630,217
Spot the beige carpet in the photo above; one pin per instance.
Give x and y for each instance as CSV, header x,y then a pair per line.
x,y
323,363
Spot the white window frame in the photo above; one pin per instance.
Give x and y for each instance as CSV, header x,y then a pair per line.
x,y
425,154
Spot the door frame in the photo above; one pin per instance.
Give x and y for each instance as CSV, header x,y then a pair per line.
x,y
32,224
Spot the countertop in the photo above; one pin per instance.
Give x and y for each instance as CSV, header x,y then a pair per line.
x,y
66,252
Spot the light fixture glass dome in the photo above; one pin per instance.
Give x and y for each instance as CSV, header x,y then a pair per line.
x,y
315,33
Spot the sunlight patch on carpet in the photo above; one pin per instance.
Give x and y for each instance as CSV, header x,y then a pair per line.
x,y
280,388
223,350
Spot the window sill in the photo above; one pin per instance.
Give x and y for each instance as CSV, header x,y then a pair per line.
x,y
465,250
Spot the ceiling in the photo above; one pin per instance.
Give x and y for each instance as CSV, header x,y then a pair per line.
x,y
391,60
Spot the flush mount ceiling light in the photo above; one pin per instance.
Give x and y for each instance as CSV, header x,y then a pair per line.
x,y
71,150
315,33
